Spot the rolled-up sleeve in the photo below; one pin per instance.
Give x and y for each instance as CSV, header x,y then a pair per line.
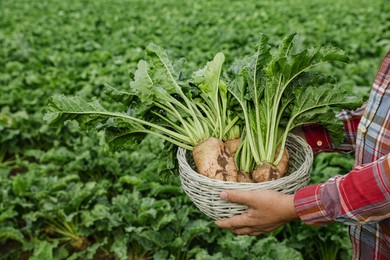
x,y
359,197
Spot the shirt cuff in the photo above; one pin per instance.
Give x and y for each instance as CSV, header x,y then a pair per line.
x,y
308,205
318,138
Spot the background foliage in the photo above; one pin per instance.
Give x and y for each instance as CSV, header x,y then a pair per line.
x,y
62,196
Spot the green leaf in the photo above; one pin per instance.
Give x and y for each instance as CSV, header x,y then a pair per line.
x,y
132,180
150,239
21,185
144,86
293,65
208,78
270,248
195,228
120,246
239,247
166,219
7,214
91,251
164,71
314,105
43,250
121,96
121,134
11,233
61,109
277,93
214,93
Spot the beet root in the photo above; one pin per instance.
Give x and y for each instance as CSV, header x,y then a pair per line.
x,y
214,160
232,145
266,172
283,164
244,177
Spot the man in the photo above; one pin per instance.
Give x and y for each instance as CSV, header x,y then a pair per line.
x,y
360,199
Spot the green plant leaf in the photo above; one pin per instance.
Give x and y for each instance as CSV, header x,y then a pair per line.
x,y
11,233
43,250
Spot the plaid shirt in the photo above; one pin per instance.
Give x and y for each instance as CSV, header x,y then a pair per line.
x,y
361,198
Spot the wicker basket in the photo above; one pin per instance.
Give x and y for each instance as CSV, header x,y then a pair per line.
x,y
204,192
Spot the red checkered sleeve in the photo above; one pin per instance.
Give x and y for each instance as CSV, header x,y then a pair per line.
x,y
368,202
360,198
309,204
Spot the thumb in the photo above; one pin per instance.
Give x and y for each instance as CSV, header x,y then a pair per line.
x,y
239,196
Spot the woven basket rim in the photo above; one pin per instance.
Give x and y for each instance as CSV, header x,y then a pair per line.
x,y
205,192
245,185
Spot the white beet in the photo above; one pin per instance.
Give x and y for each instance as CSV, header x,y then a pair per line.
x,y
283,164
214,160
244,177
232,145
266,172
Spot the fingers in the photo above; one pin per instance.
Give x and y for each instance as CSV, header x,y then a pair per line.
x,y
235,225
262,215
250,231
234,222
247,231
239,196
247,223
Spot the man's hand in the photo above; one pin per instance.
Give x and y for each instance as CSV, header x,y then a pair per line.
x,y
267,210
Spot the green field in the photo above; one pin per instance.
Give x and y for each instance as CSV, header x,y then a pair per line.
x,y
64,196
